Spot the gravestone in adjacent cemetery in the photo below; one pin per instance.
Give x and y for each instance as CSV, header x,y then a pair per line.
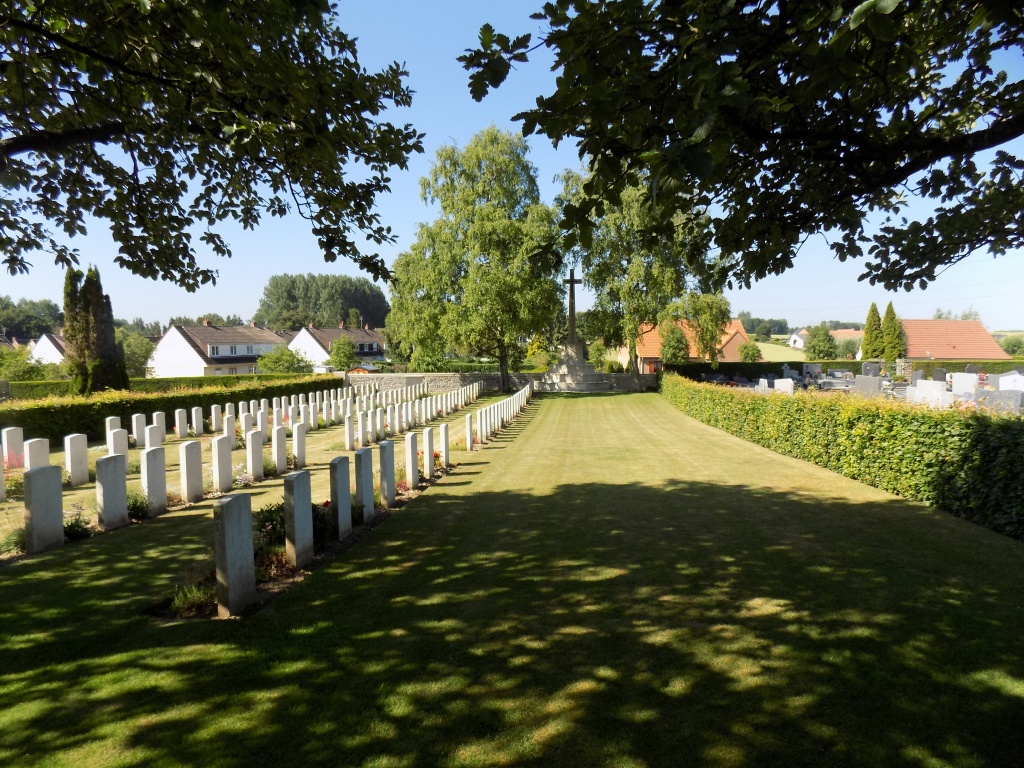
x,y
870,369
867,386
939,374
964,383
1010,401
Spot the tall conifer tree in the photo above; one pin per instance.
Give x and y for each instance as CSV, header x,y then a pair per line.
x,y
871,345
894,343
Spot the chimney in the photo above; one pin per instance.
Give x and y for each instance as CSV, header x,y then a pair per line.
x,y
310,325
366,327
206,321
252,323
341,324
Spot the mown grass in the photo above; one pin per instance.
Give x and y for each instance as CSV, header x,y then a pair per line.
x,y
609,583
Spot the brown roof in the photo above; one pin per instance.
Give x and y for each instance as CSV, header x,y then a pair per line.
x,y
200,337
649,344
950,340
57,340
327,336
846,333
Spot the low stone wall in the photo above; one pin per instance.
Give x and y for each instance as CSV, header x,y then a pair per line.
x,y
443,382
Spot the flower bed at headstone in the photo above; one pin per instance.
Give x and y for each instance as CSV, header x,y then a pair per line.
x,y
964,463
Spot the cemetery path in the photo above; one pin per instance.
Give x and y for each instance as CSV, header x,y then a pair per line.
x,y
606,583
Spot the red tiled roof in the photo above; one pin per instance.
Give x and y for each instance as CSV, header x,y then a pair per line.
x,y
846,333
649,344
950,340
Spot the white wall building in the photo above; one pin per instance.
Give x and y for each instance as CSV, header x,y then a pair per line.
x,y
48,349
315,343
211,350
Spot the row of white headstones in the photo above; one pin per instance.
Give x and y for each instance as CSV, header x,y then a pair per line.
x,y
366,414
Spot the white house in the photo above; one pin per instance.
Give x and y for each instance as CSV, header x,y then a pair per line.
x,y
49,349
315,343
798,339
211,350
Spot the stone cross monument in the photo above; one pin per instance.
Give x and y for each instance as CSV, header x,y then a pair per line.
x,y
572,282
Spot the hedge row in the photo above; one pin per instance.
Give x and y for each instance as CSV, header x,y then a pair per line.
x,y
56,417
33,390
958,366
967,464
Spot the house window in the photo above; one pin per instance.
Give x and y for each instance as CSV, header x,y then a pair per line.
x,y
248,350
252,369
217,371
232,350
362,347
214,350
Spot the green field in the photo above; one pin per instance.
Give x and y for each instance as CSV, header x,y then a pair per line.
x,y
608,583
776,353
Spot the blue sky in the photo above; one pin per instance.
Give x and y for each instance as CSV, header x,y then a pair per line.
x,y
428,37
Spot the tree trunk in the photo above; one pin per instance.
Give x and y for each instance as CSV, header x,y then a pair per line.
x,y
506,383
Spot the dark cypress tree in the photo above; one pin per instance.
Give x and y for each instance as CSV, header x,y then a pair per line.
x,y
95,359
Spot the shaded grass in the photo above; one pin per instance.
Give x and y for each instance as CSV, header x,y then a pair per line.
x,y
608,583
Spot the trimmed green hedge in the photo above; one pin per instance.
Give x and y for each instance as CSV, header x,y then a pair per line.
x,y
958,366
967,464
56,417
33,390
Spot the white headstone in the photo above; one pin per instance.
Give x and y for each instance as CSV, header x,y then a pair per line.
x,y
341,495
112,491
190,466
279,449
14,447
412,471
299,444
44,509
76,459
221,448
364,482
233,554
37,453
197,421
117,442
154,479
298,519
254,455
386,454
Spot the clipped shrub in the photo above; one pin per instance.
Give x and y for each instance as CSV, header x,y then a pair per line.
x,y
13,542
268,527
77,528
138,506
195,600
964,463
959,366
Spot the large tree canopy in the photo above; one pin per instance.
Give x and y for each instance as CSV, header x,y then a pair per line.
x,y
634,276
788,119
468,282
165,119
292,301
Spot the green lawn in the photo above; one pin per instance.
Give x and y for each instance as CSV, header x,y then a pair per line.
x,y
777,353
609,583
